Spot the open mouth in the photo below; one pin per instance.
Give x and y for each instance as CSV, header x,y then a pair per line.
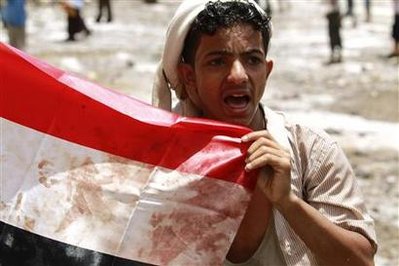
x,y
237,101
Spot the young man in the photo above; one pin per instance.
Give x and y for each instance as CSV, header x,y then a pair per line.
x,y
306,208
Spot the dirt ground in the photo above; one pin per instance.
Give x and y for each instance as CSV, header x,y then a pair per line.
x,y
355,101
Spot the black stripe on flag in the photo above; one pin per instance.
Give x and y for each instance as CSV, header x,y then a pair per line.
x,y
22,248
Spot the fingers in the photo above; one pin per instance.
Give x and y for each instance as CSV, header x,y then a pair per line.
x,y
275,161
262,137
255,135
265,151
263,142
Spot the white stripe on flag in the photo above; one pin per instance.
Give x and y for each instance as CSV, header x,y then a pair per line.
x,y
95,200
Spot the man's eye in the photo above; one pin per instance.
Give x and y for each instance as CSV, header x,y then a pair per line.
x,y
254,60
216,62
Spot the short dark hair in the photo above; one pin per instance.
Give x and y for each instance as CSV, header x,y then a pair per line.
x,y
224,15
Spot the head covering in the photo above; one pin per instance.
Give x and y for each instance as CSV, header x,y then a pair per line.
x,y
167,77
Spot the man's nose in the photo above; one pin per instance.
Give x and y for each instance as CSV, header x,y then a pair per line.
x,y
238,73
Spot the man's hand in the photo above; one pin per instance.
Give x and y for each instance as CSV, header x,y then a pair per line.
x,y
275,161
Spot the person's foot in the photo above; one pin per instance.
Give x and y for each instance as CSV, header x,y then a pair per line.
x,y
334,60
354,22
109,20
393,54
70,39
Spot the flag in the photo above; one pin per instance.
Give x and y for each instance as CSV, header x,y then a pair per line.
x,y
89,176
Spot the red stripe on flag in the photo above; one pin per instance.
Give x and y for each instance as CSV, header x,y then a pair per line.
x,y
49,100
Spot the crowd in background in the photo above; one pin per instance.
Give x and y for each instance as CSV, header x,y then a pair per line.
x,y
14,16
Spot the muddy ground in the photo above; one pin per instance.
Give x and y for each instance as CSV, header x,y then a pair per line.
x,y
355,101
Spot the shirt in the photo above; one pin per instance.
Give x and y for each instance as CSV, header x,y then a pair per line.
x,y
268,253
78,4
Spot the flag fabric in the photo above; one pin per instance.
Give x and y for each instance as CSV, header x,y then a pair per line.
x,y
89,176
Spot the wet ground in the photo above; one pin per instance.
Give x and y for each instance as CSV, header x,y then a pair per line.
x,y
355,101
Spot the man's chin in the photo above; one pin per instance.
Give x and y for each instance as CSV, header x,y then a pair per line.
x,y
238,121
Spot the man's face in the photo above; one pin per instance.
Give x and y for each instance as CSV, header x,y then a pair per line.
x,y
229,76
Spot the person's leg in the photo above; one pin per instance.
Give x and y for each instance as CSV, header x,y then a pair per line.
x,y
338,46
109,9
349,11
395,37
331,39
334,25
100,10
72,27
12,36
367,5
20,36
81,23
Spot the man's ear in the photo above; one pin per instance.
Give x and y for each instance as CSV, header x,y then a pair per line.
x,y
269,67
187,75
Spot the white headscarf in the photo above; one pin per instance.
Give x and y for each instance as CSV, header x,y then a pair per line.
x,y
167,69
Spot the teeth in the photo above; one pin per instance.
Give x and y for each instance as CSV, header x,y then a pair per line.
x,y
238,95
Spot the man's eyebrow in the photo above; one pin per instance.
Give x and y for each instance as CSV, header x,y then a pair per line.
x,y
225,52
218,52
254,51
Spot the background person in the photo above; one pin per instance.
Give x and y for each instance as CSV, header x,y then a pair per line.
x,y
104,5
13,15
395,30
334,32
75,20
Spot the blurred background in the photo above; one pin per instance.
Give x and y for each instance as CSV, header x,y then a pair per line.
x,y
355,99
